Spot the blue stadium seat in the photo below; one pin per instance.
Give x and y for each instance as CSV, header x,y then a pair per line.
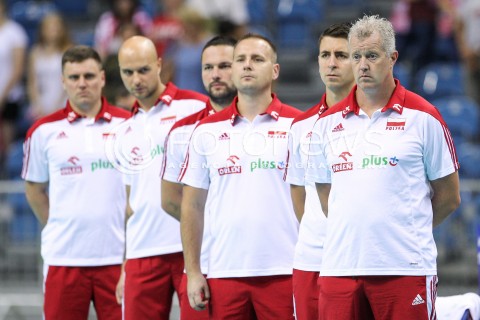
x,y
72,8
440,79
149,6
341,3
462,115
24,225
29,14
469,158
257,11
402,73
295,19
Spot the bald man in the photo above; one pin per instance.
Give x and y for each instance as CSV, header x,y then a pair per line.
x,y
154,261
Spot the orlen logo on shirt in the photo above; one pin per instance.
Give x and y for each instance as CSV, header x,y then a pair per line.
x,y
343,166
73,169
379,162
233,169
267,164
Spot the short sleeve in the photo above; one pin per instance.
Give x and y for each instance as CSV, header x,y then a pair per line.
x,y
176,147
440,158
295,172
35,163
195,171
317,168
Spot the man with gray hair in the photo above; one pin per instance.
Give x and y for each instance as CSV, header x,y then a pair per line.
x,y
379,255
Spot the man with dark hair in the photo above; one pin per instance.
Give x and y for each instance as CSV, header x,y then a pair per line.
x,y
237,157
77,194
336,73
217,58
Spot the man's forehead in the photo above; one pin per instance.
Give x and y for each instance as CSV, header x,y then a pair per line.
x,y
337,44
135,64
217,54
370,42
252,46
135,58
85,66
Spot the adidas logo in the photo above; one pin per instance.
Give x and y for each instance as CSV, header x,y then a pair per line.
x,y
338,128
418,300
62,135
224,136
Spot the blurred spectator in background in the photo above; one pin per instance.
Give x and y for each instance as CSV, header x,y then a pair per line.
x,y
109,28
166,32
446,46
187,73
14,41
416,44
468,42
44,78
167,27
231,16
401,22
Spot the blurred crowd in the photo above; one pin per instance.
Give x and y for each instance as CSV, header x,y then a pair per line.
x,y
427,30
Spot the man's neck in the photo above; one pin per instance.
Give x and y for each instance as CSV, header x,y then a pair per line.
x,y
88,111
249,106
373,100
335,96
218,107
149,102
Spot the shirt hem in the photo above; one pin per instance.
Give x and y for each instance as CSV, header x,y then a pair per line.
x,y
252,273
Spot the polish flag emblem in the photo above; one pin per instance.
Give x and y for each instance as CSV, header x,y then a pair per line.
x,y
395,124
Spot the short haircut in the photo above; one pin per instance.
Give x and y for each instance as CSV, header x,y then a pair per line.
x,y
364,27
337,30
80,53
220,41
260,37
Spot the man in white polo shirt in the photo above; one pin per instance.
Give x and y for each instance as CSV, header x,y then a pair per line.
x,y
154,265
336,72
392,176
217,58
77,194
237,156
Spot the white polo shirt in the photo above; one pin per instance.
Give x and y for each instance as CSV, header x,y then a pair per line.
x,y
86,219
379,208
139,154
241,163
176,147
311,235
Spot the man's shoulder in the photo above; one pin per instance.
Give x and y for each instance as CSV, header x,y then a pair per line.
x,y
415,102
118,112
308,114
191,119
185,94
48,119
223,115
289,111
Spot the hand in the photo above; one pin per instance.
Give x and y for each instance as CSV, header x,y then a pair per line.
x,y
120,286
198,291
